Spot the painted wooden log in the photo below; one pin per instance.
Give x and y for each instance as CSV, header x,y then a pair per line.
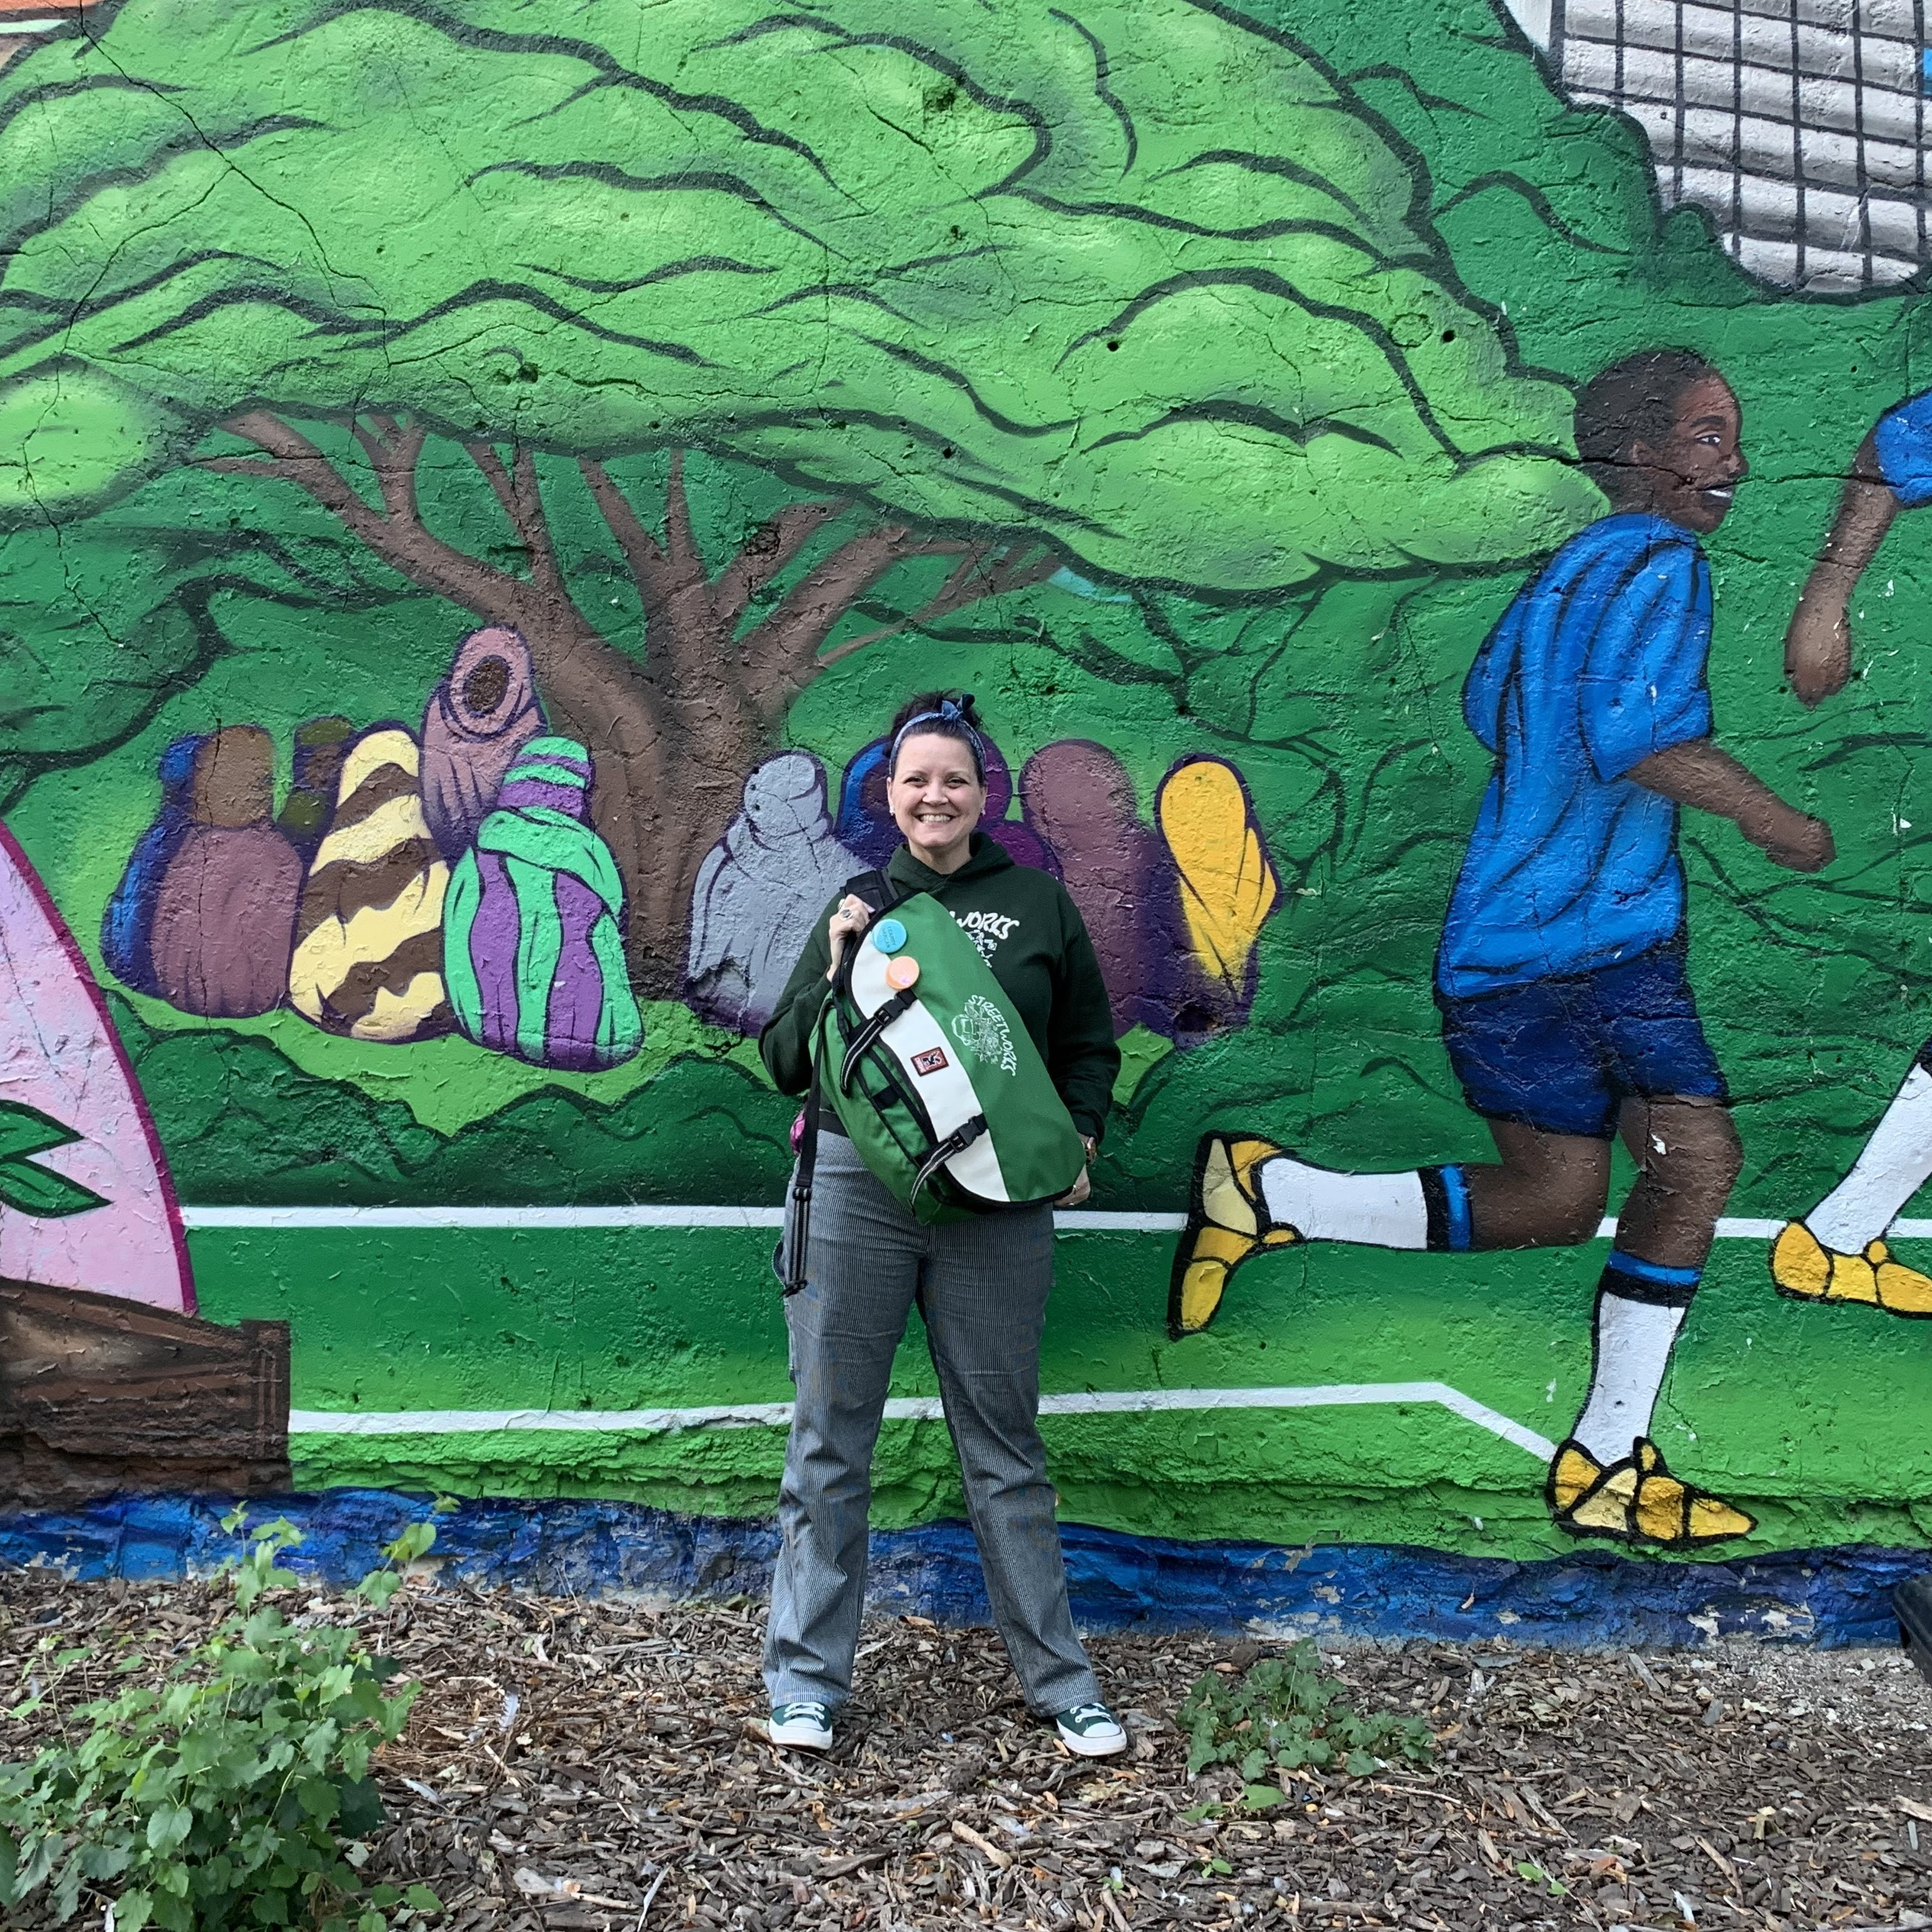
x,y
98,1394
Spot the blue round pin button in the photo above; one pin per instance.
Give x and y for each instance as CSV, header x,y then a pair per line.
x,y
889,935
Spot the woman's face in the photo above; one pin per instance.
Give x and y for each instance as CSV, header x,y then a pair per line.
x,y
937,798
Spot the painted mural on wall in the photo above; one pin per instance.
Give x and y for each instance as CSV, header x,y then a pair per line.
x,y
86,1199
108,1381
1800,132
465,532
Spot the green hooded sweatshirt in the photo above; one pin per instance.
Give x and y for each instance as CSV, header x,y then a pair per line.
x,y
1033,938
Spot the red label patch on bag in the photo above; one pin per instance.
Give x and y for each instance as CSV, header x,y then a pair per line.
x,y
930,1061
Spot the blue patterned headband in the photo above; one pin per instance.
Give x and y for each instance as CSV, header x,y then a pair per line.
x,y
950,712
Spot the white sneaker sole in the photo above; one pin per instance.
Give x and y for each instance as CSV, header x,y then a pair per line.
x,y
1093,1747
799,1737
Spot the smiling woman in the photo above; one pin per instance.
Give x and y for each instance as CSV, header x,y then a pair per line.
x,y
981,1280
936,785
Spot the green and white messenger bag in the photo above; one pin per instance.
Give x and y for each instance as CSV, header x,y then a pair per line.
x,y
919,1053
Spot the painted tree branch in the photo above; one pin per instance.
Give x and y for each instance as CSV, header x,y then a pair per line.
x,y
782,653
392,451
680,542
673,732
517,491
682,626
396,535
596,685
988,572
766,553
641,550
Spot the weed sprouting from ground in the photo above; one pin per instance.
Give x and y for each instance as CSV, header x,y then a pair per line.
x,y
1287,1714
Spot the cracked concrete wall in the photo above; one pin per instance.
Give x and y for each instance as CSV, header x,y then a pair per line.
x,y
425,437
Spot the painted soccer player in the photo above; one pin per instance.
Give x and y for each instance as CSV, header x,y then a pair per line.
x,y
1837,1252
1567,1013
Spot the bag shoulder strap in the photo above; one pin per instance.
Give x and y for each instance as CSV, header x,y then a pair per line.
x,y
878,891
881,895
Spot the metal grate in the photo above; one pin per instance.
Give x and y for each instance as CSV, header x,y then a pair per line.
x,y
1799,124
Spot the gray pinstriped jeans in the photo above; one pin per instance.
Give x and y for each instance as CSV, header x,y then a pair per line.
x,y
982,1286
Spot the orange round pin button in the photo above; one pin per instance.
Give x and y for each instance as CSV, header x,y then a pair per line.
x,y
902,973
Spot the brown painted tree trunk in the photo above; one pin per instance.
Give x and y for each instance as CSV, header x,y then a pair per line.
x,y
673,736
669,777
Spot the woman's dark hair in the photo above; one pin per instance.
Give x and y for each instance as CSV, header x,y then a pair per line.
x,y
1632,401
939,714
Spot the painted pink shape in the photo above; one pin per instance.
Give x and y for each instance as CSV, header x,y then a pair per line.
x,y
58,1053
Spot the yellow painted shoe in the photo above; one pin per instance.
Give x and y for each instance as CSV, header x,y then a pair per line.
x,y
1637,1501
1901,1291
1572,1475
1226,1224
1803,1267
1801,1264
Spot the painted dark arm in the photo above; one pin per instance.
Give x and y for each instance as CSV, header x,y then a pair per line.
x,y
1818,645
1698,774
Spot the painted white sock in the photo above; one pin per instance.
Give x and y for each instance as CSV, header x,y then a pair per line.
x,y
1633,1343
1895,1164
1377,1211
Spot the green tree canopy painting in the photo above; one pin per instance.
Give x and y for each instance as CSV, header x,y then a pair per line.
x,y
1137,287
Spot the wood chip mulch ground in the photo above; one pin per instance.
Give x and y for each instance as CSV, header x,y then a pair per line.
x,y
588,1764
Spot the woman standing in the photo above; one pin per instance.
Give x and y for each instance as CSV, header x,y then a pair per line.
x,y
981,1284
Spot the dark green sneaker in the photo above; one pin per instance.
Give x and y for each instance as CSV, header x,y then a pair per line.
x,y
804,1727
1090,1730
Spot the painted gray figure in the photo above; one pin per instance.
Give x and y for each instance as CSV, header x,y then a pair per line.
x,y
759,891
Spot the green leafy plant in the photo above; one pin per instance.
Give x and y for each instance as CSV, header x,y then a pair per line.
x,y
235,1791
1530,1873
1286,1713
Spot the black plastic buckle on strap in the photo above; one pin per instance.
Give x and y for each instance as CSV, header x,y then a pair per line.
x,y
957,1141
862,1042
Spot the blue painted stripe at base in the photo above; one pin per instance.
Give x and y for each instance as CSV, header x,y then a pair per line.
x,y
1120,1584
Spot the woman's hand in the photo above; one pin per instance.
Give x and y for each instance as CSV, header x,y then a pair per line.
x,y
846,925
1083,1186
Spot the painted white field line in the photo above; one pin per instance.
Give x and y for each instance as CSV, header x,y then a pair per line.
x,y
547,1219
1073,1221
904,1408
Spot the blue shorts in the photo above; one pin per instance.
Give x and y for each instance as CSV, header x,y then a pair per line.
x,y
1564,1055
